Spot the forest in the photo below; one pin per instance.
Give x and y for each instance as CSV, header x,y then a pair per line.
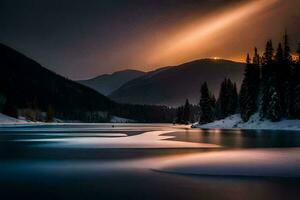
x,y
271,87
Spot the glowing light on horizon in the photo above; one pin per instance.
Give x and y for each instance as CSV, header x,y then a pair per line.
x,y
200,33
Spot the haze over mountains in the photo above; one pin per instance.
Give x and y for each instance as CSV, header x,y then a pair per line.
x,y
172,85
25,84
107,83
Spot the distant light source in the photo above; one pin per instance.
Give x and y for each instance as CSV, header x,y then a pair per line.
x,y
200,32
216,58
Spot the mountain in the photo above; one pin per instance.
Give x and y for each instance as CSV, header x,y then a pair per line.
x,y
107,83
172,85
26,85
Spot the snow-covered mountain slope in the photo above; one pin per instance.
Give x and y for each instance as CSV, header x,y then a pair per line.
x,y
254,122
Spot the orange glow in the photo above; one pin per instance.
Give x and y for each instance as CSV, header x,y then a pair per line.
x,y
184,45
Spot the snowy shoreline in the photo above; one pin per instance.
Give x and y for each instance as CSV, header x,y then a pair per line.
x,y
231,122
254,123
6,121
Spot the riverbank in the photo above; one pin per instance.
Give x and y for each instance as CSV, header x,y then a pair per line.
x,y
7,121
235,121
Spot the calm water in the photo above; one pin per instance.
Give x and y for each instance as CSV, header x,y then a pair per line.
x,y
116,162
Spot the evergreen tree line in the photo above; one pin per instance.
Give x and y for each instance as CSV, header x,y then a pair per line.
x,y
227,103
209,107
271,86
271,83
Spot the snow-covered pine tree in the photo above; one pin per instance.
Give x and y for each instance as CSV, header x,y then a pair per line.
x,y
274,109
207,108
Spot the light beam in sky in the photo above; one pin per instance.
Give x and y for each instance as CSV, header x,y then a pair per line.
x,y
201,33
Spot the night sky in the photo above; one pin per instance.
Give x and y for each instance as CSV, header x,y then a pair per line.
x,y
84,38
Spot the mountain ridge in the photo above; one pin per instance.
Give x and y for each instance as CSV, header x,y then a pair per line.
x,y
107,83
172,84
28,87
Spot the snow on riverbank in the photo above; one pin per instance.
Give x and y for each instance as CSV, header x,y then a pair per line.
x,y
254,122
116,119
4,119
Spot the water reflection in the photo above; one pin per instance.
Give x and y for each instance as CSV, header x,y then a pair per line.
x,y
241,138
94,172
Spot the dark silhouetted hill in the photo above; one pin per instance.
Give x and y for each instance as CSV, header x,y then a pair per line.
x,y
172,85
107,83
25,84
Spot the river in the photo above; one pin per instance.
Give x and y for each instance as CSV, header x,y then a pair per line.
x,y
147,161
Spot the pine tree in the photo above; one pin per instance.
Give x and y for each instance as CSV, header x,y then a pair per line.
x,y
222,101
282,75
235,100
266,72
296,106
279,57
186,112
207,109
228,99
250,87
298,51
179,115
277,76
287,50
256,57
287,88
274,109
276,85
296,90
213,101
256,82
248,59
269,53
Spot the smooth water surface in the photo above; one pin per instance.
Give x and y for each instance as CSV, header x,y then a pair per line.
x,y
131,161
